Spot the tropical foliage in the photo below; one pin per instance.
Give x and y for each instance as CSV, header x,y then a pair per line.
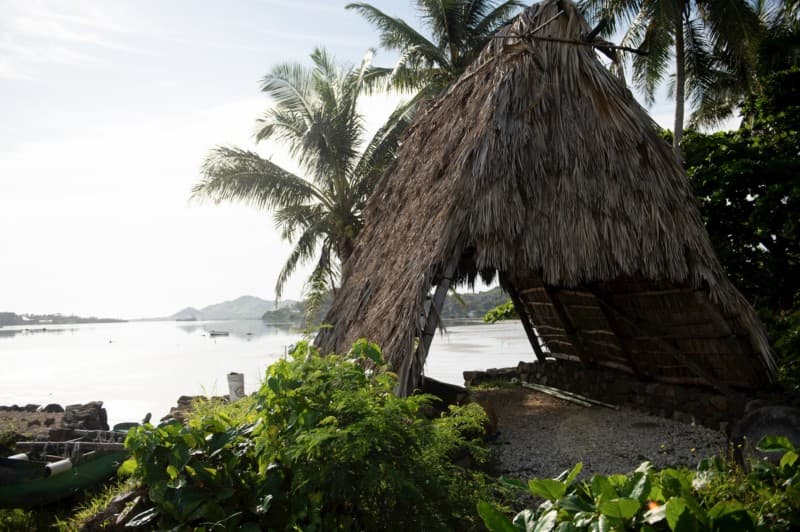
x,y
715,497
315,115
748,185
506,311
458,31
707,40
324,445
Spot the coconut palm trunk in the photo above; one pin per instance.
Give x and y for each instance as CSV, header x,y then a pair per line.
x,y
680,79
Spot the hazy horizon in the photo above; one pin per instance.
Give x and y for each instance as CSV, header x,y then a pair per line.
x,y
108,111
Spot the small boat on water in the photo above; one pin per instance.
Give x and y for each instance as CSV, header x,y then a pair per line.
x,y
69,462
218,333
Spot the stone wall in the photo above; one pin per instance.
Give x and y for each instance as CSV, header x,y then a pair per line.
x,y
684,403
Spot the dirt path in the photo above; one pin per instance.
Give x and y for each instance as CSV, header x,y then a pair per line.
x,y
541,436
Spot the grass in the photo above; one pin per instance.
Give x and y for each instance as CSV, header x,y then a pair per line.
x,y
494,384
93,506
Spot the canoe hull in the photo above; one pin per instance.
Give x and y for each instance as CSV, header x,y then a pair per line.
x,y
24,484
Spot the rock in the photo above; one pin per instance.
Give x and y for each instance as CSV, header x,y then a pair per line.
x,y
34,423
30,408
49,421
765,421
53,408
183,409
91,416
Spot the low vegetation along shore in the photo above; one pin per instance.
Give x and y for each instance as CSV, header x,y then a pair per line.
x,y
325,444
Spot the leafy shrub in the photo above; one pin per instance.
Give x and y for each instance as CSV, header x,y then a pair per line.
x,y
506,311
17,519
783,328
325,444
715,497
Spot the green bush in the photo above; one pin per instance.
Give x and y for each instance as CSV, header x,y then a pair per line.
x,y
325,444
506,311
783,328
715,497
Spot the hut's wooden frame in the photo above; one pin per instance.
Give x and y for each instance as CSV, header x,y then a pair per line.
x,y
539,165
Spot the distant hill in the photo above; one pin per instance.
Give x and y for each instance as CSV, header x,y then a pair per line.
x,y
241,308
470,306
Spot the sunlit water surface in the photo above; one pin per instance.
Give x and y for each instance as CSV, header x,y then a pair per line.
x,y
141,367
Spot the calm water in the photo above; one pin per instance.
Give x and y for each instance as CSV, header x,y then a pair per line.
x,y
141,367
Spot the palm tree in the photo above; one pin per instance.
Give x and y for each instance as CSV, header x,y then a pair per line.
x,y
459,29
776,48
702,36
314,114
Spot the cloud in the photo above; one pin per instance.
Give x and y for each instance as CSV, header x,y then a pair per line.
x,y
33,33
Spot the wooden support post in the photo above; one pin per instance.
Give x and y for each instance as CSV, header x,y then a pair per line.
x,y
411,367
435,311
669,346
522,310
569,326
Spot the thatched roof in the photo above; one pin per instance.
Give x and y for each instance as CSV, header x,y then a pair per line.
x,y
539,164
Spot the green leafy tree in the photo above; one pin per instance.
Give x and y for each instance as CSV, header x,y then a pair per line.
x,y
748,184
704,38
315,115
458,31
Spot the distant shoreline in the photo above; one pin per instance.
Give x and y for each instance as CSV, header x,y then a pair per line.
x,y
11,319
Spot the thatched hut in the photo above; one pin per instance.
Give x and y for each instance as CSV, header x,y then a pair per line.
x,y
539,166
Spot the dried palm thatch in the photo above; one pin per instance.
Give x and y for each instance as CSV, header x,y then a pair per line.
x,y
539,165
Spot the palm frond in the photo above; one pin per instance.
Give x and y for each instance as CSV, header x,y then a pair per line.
x,y
485,24
396,34
233,174
290,86
303,252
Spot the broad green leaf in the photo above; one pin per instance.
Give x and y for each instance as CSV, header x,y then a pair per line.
x,y
263,508
364,349
601,525
143,518
724,508
547,488
673,483
731,516
494,519
172,471
574,503
547,522
602,489
127,468
583,519
775,443
567,527
637,487
679,517
574,473
525,520
788,459
675,507
620,508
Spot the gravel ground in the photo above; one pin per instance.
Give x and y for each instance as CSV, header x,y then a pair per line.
x,y
541,436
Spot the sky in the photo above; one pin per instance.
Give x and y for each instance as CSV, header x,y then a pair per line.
x,y
107,110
